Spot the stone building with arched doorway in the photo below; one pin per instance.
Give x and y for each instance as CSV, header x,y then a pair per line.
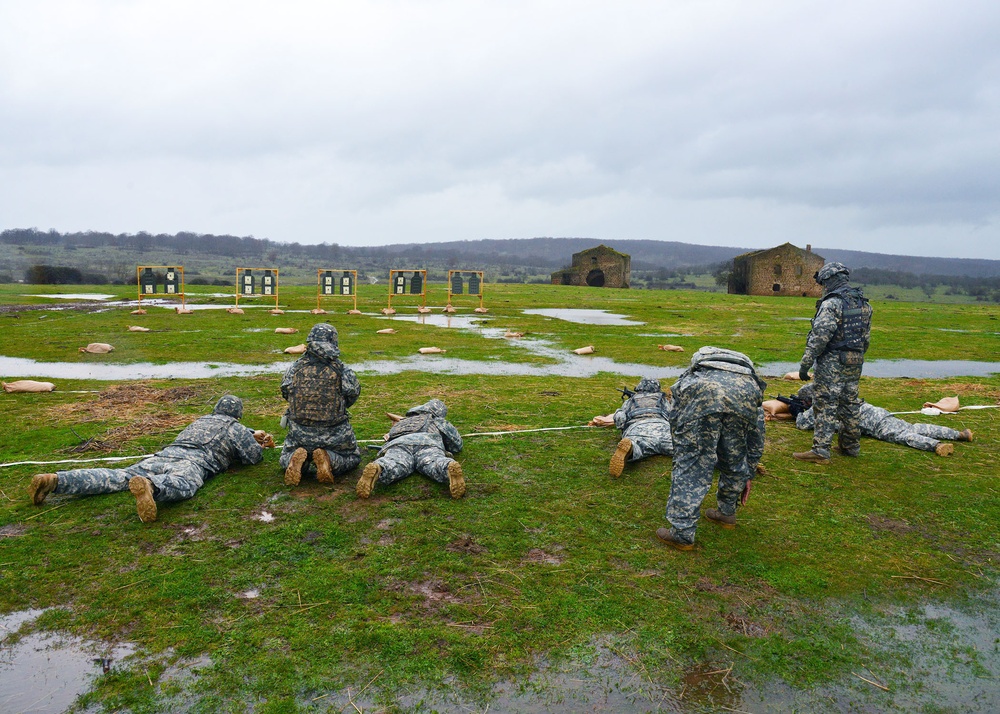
x,y
784,271
599,267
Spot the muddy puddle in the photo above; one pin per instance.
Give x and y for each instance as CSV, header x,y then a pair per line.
x,y
585,317
74,296
44,673
563,364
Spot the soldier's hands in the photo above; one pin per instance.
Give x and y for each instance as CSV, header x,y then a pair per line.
x,y
804,374
760,470
745,496
264,439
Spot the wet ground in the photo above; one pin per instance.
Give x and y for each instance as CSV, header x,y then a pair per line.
x,y
584,317
933,658
45,673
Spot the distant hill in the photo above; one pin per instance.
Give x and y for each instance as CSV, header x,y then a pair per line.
x,y
651,254
96,251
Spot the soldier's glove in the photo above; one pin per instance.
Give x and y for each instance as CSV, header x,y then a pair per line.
x,y
803,374
745,496
760,470
264,439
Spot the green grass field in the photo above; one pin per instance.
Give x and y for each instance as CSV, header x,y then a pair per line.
x,y
546,560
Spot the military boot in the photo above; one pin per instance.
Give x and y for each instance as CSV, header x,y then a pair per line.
x,y
324,471
944,449
670,537
622,452
717,516
142,488
293,474
367,481
811,456
456,482
965,435
41,486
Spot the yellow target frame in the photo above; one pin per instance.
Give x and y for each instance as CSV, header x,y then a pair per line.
x,y
423,285
319,287
239,293
482,281
138,281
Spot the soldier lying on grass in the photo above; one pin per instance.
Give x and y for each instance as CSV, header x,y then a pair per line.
x,y
205,448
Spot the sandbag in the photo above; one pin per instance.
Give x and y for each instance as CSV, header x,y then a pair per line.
x,y
513,335
27,385
947,405
386,331
277,311
794,376
137,328
285,330
318,311
183,311
670,348
423,310
482,310
388,311
354,311
588,350
140,311
449,308
295,349
234,310
775,407
431,350
98,348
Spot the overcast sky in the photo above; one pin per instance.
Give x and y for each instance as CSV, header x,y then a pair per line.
x,y
866,125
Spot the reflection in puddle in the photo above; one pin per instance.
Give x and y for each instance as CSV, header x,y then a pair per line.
x,y
584,317
46,672
74,296
464,322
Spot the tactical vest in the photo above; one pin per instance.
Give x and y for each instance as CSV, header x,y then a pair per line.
x,y
646,404
417,424
855,322
205,433
314,397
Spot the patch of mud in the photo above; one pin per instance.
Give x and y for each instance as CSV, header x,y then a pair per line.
x,y
44,672
537,555
745,626
465,544
881,523
12,530
386,523
433,591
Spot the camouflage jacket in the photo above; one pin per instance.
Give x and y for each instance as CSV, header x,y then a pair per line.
x,y
214,442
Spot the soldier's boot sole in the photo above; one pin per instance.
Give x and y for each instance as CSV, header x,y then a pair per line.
x,y
41,486
622,452
142,489
456,481
719,518
965,435
944,449
324,471
810,456
293,474
667,536
367,481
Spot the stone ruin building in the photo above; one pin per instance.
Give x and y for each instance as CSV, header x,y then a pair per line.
x,y
599,267
783,271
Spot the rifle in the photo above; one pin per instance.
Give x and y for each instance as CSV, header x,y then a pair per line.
x,y
626,393
796,405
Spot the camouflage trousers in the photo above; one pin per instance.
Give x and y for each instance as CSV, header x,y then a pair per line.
x,y
338,442
172,479
836,404
649,437
918,436
398,462
713,441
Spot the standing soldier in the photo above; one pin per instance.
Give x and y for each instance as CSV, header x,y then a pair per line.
x,y
643,422
837,342
319,389
205,448
717,422
422,441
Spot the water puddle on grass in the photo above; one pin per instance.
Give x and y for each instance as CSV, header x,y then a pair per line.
x,y
904,368
585,317
44,673
74,296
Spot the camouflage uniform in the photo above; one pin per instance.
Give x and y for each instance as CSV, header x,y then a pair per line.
x,y
837,343
878,423
643,419
317,415
205,448
418,443
717,422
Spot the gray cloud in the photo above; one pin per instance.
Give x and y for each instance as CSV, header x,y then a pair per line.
x,y
858,124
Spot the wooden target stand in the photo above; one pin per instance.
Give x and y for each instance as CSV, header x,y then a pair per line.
x,y
173,284
457,283
331,285
247,287
400,285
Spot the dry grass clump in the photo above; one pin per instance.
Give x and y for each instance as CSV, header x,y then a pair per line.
x,y
115,438
123,401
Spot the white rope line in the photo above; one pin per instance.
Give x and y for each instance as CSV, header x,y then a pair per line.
x,y
278,446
